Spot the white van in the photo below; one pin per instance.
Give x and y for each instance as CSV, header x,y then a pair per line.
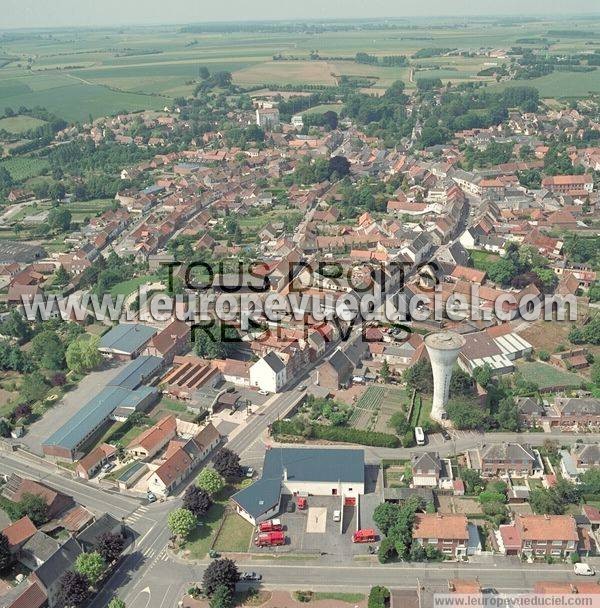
x,y
419,436
583,570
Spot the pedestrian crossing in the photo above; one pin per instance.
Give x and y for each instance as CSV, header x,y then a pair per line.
x,y
137,514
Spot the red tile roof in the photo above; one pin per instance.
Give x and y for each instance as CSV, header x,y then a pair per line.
x,y
19,531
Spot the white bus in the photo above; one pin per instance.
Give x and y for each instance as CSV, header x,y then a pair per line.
x,y
419,436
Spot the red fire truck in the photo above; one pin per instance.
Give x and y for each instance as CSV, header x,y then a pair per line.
x,y
271,525
270,539
302,502
364,536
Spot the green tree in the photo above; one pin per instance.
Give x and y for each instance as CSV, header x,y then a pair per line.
x,y
116,603
221,598
385,371
386,515
210,481
83,355
5,554
48,350
16,326
91,565
59,219
34,387
182,522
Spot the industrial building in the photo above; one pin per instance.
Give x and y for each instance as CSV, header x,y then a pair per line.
x,y
301,472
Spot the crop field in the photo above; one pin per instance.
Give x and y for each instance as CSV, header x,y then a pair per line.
x,y
23,167
20,124
99,72
376,406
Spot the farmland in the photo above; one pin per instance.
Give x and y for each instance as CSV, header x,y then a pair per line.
x,y
20,124
78,74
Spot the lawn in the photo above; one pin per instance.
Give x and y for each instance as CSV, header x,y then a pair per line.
x,y
350,598
128,287
546,376
202,538
235,534
482,259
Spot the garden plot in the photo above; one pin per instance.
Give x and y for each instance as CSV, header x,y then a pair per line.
x,y
376,406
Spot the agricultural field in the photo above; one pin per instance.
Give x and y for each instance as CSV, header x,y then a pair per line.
x,y
376,406
20,124
22,168
105,71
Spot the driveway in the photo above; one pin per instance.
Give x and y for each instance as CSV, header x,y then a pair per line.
x,y
68,406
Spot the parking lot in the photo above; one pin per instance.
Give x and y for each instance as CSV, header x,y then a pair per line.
x,y
313,530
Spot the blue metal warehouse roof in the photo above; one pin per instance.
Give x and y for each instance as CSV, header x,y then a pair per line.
x,y
127,337
94,413
310,465
137,372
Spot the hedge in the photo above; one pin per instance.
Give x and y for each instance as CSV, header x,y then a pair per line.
x,y
337,433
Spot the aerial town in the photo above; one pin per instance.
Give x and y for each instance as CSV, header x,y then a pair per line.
x,y
292,342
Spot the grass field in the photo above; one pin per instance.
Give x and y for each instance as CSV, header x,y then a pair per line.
x,y
234,535
20,124
105,71
547,376
482,260
127,287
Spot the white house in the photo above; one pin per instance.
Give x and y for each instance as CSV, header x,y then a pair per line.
x,y
268,373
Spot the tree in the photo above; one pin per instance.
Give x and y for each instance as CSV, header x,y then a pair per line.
x,y
227,464
473,481
419,377
34,387
545,501
196,500
16,326
466,415
74,589
384,372
5,554
331,119
507,416
590,481
83,355
210,481
203,72
181,522
48,350
460,383
61,276
339,165
502,271
483,375
91,565
385,516
220,572
110,546
378,597
4,428
59,219
221,598
116,603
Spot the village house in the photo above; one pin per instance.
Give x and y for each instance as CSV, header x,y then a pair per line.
x,y
447,533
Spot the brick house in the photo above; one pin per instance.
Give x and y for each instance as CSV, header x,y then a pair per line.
x,y
171,341
508,458
543,535
336,372
426,468
573,412
91,463
447,533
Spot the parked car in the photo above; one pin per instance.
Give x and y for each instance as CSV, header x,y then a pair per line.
x,y
249,472
444,433
582,569
263,392
107,467
150,496
337,515
290,507
250,576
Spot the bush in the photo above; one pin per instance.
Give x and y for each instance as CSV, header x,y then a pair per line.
x,y
339,434
378,597
544,355
575,559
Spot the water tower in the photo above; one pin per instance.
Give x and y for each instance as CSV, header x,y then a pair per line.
x,y
443,348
